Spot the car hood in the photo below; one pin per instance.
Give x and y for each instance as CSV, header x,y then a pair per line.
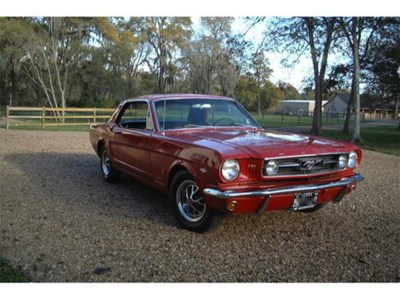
x,y
263,143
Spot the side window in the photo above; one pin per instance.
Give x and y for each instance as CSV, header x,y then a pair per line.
x,y
136,115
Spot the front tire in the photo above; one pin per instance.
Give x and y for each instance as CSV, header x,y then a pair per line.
x,y
108,171
188,206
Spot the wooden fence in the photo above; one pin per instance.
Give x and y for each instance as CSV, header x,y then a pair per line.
x,y
45,116
42,117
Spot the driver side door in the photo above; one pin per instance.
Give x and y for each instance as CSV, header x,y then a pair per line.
x,y
131,138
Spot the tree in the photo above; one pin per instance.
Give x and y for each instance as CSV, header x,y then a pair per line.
x,y
296,36
246,92
166,35
382,62
339,77
58,51
290,92
13,34
52,53
271,95
130,51
224,53
201,65
210,59
320,37
254,97
353,34
260,72
363,35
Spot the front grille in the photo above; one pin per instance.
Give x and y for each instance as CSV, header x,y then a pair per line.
x,y
305,165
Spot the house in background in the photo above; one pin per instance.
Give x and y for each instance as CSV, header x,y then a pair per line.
x,y
295,107
337,104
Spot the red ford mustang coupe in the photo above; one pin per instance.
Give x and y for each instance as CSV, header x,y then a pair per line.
x,y
211,156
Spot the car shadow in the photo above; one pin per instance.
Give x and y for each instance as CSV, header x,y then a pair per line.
x,y
75,179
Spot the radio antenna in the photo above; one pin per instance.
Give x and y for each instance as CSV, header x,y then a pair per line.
x,y
165,103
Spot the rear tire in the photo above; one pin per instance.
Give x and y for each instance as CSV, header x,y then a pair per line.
x,y
188,207
108,171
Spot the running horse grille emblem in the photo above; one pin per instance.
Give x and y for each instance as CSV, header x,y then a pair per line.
x,y
308,165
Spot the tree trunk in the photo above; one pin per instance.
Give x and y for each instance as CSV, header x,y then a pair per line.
x,y
356,130
258,100
316,124
10,102
13,88
346,126
161,81
129,86
396,111
319,69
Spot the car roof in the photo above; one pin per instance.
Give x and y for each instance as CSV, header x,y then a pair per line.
x,y
155,97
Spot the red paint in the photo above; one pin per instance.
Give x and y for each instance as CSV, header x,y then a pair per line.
x,y
152,156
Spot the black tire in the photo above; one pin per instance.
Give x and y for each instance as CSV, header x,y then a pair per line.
x,y
188,206
108,171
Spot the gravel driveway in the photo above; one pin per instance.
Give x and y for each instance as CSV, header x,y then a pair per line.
x,y
61,222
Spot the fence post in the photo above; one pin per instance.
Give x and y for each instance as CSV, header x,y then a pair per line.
x,y
7,116
43,116
94,114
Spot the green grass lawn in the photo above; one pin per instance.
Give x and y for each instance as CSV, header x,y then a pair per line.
x,y
279,120
10,274
385,139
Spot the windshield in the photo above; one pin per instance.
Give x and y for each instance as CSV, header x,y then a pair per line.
x,y
189,113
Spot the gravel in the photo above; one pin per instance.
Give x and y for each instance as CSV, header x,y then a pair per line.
x,y
60,222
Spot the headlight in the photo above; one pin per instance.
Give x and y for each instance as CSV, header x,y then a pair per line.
x,y
342,161
230,169
272,167
353,158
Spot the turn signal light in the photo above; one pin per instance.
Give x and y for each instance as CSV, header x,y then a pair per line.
x,y
231,206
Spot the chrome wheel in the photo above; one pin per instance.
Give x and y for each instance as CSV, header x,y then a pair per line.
x,y
189,201
105,163
187,204
110,174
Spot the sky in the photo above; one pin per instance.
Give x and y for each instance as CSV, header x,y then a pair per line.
x,y
293,75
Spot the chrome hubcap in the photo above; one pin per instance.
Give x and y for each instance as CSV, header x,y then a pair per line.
x,y
105,163
190,202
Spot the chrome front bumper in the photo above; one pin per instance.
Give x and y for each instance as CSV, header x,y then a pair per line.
x,y
344,182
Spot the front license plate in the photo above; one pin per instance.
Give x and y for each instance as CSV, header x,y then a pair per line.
x,y
305,201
